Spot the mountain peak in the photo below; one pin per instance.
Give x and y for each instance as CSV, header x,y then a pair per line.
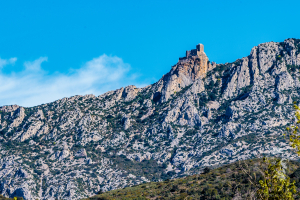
x,y
188,69
197,60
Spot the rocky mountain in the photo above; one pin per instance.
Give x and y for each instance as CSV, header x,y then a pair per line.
x,y
199,114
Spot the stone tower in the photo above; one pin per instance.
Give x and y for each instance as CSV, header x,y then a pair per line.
x,y
203,60
200,48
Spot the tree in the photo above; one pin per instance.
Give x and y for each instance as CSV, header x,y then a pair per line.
x,y
292,131
276,184
206,170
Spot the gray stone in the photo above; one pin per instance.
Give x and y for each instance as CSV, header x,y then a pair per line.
x,y
81,153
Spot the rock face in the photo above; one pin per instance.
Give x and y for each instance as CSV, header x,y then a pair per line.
x,y
81,153
126,122
199,114
188,69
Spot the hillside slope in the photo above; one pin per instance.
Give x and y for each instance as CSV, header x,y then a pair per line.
x,y
227,182
199,114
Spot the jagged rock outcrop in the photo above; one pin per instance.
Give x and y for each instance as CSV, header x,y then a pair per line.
x,y
21,173
81,153
126,122
185,72
130,92
199,114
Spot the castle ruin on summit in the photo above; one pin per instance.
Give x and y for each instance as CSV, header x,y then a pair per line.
x,y
196,56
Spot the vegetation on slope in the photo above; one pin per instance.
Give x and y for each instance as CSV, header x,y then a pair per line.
x,y
227,182
4,198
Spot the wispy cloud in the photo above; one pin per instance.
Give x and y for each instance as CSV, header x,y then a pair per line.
x,y
4,62
34,86
35,65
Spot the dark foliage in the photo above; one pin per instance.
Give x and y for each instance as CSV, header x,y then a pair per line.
x,y
222,183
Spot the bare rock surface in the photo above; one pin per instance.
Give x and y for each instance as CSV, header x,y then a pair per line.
x,y
199,114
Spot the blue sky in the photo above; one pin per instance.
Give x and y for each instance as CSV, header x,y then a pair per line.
x,y
55,49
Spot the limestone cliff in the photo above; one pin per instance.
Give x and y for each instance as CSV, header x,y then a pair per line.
x,y
199,114
188,69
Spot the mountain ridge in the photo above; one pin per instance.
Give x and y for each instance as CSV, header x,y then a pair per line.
x,y
199,114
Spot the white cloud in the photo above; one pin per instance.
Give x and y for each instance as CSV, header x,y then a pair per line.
x,y
35,65
34,86
10,61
